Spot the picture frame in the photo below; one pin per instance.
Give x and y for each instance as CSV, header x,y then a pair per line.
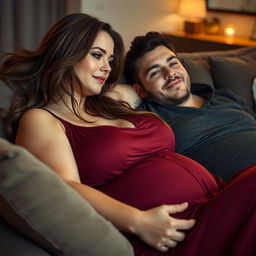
x,y
247,7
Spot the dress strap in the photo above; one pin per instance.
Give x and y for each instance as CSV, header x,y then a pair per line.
x,y
49,111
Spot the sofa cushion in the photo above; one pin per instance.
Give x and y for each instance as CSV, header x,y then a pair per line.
x,y
198,70
13,243
235,73
230,69
37,202
5,97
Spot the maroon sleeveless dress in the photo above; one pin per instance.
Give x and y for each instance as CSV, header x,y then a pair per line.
x,y
138,166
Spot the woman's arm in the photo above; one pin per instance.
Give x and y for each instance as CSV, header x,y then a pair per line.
x,y
44,136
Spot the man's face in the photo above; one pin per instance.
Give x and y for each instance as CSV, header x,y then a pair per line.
x,y
163,76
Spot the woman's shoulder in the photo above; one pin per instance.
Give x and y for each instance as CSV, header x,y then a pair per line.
x,y
37,114
37,118
39,125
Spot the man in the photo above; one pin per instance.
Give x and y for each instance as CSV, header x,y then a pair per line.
x,y
213,127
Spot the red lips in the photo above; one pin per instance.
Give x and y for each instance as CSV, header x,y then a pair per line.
x,y
100,79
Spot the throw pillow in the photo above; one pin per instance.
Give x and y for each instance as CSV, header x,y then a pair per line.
x,y
37,202
235,72
197,68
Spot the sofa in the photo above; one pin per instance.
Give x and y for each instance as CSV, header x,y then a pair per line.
x,y
234,70
41,215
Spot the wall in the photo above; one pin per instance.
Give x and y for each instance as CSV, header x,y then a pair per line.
x,y
135,17
73,6
243,23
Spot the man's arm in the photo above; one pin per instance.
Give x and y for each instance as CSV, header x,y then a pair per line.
x,y
230,94
127,93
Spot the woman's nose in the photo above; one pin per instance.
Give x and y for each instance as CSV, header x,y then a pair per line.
x,y
106,67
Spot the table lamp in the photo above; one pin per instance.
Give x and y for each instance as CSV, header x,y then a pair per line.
x,y
229,31
194,11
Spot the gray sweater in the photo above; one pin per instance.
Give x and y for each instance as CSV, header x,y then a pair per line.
x,y
221,135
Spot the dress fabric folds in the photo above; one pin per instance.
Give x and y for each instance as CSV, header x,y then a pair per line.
x,y
139,167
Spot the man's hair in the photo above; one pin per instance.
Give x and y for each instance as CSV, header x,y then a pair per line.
x,y
139,47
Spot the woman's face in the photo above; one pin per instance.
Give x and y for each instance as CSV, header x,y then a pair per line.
x,y
93,70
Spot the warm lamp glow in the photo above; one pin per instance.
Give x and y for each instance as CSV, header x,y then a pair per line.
x,y
193,9
229,31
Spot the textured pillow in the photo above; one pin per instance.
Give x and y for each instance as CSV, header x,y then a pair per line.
x,y
35,201
198,70
235,73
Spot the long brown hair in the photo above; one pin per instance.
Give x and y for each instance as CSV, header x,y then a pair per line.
x,y
41,76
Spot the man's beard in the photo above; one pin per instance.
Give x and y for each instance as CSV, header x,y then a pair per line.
x,y
175,101
172,100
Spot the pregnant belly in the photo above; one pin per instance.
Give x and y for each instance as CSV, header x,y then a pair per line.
x,y
162,179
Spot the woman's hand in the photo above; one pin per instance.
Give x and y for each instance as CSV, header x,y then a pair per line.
x,y
157,228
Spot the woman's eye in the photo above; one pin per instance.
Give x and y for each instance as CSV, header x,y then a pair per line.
x,y
96,55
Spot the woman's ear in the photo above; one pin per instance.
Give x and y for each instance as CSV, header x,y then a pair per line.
x,y
140,90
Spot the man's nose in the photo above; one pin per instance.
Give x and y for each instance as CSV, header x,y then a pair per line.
x,y
168,72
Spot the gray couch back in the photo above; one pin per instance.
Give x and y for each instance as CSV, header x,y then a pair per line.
x,y
5,95
231,69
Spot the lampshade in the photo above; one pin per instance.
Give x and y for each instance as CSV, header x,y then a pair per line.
x,y
193,8
193,11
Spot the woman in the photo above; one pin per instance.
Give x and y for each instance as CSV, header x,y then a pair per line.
x,y
121,161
